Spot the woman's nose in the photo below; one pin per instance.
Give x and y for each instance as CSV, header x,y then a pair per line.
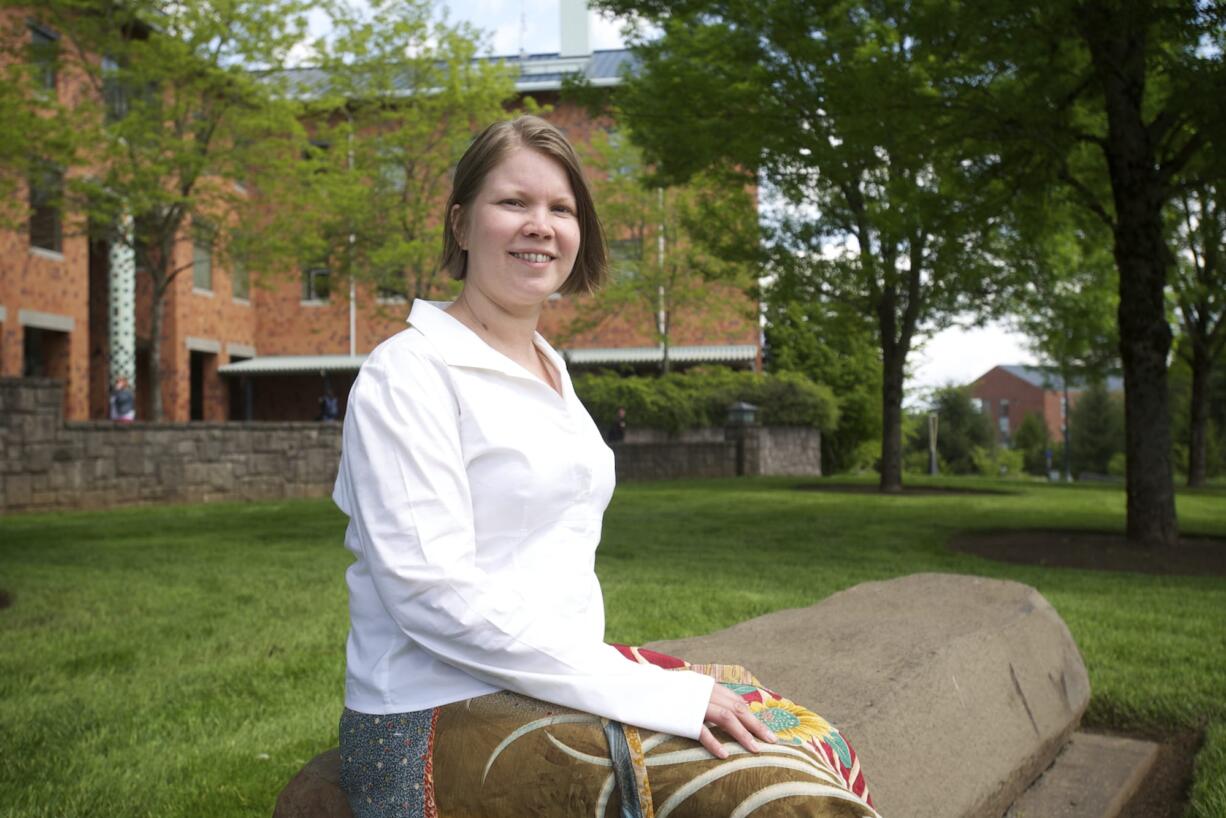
x,y
537,224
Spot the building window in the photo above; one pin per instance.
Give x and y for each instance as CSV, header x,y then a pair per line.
x,y
113,92
44,57
202,257
1004,408
316,284
46,218
240,279
625,255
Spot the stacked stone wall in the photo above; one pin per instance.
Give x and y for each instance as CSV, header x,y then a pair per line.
x,y
47,463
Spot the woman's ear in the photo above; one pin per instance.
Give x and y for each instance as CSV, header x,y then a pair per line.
x,y
457,226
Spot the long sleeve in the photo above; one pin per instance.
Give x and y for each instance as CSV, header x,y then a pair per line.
x,y
403,482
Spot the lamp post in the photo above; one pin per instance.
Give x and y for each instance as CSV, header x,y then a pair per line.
x,y
741,416
933,423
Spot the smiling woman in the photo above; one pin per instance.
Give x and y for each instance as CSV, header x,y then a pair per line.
x,y
475,483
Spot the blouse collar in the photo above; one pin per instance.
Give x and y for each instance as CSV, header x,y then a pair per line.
x,y
460,346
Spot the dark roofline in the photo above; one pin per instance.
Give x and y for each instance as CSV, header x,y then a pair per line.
x,y
1048,379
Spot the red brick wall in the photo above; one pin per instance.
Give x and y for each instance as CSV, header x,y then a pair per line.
x,y
997,385
56,283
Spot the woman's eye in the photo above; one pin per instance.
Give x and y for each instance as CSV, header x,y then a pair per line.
x,y
563,209
514,202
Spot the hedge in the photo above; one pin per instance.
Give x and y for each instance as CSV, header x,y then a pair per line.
x,y
701,397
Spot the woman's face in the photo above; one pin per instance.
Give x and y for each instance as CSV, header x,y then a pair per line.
x,y
520,231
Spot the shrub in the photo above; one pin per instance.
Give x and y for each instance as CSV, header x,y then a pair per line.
x,y
961,428
997,461
1033,441
701,397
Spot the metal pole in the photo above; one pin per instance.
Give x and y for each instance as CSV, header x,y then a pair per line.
x,y
933,423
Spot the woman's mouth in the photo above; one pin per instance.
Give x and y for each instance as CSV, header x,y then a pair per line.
x,y
533,258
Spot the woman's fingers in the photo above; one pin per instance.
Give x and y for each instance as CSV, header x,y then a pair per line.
x,y
708,740
729,712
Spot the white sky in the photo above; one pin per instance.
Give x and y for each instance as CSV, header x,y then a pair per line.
x,y
961,355
955,355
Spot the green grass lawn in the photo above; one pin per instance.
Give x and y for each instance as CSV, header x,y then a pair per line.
x,y
186,661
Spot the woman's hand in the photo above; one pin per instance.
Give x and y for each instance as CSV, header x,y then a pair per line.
x,y
729,711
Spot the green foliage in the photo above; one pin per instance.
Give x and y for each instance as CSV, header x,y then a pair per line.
x,y
1179,381
1096,430
701,397
1033,440
835,346
961,429
997,462
872,210
680,254
403,96
1066,295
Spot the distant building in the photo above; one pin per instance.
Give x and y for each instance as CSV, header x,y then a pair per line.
x,y
1009,392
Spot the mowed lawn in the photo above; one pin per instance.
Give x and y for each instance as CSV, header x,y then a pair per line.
x,y
186,661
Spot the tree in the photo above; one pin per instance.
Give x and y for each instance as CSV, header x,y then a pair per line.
x,y
666,244
1097,429
1033,441
401,98
963,428
1214,434
834,346
1114,101
1065,299
175,132
1199,286
874,212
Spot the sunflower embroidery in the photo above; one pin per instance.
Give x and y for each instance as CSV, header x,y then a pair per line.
x,y
791,722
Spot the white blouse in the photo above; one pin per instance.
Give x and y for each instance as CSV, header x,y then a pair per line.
x,y
475,494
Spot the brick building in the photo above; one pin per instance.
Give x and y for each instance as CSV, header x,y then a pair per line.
x,y
267,350
1009,392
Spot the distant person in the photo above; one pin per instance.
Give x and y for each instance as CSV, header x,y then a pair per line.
x,y
617,429
123,402
329,406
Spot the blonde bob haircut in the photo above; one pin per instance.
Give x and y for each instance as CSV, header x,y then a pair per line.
x,y
492,146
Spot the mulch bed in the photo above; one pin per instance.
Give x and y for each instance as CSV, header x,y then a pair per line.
x,y
1164,792
907,491
1094,550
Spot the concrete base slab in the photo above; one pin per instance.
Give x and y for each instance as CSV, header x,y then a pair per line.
x,y
1093,777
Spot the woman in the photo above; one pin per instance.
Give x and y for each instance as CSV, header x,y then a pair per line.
x,y
475,483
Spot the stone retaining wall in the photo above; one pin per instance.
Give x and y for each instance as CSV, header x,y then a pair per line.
x,y
48,464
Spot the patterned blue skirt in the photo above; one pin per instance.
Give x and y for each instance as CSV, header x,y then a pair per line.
x,y
385,762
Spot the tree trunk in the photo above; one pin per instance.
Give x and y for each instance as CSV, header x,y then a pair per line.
x,y
1118,49
892,374
1198,410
